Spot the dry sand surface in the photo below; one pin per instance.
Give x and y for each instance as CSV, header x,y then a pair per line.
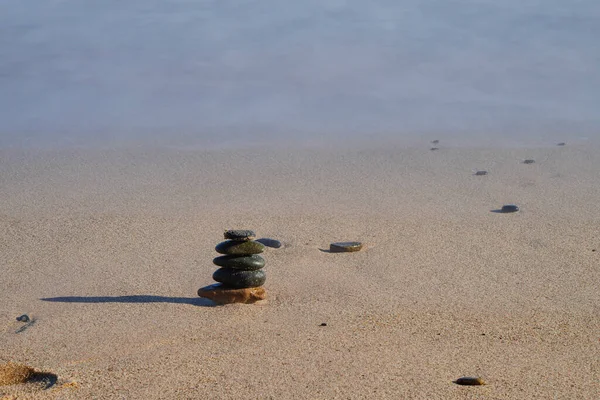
x,y
105,251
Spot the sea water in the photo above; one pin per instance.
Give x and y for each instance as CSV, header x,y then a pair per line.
x,y
235,73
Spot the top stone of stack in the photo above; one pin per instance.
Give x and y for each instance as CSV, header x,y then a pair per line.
x,y
239,234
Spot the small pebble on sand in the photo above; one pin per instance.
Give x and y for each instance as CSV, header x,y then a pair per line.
x,y
470,381
23,318
509,208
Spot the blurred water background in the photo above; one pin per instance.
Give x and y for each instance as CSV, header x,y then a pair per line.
x,y
225,73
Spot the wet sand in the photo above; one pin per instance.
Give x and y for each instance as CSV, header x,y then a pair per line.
x,y
105,250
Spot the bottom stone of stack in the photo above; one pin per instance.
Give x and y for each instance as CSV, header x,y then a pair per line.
x,y
222,294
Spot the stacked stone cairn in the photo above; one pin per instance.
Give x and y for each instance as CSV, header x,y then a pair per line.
x,y
240,275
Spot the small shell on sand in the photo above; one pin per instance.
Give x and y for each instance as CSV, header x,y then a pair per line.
x,y
470,381
12,373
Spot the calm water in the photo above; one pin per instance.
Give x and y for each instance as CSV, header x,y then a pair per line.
x,y
225,73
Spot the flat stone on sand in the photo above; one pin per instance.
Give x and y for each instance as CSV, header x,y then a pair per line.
x,y
239,234
509,208
221,294
481,173
529,161
345,247
270,242
470,381
240,248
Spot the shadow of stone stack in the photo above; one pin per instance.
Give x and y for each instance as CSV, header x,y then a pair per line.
x,y
240,275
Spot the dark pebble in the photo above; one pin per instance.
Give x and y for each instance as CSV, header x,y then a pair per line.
x,y
324,324
239,279
509,208
246,263
23,318
239,234
434,148
270,242
240,248
470,381
345,247
528,161
561,144
480,173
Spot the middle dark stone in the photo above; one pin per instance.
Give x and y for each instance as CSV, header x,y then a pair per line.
x,y
246,263
240,279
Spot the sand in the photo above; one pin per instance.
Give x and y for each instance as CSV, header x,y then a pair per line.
x,y
105,250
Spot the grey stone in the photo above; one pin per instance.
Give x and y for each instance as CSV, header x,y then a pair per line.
x,y
238,279
240,248
270,242
345,247
509,208
23,318
239,234
246,263
481,173
528,161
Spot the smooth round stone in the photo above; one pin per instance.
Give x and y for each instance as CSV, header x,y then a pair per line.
x,y
345,247
240,248
529,161
270,242
509,208
246,263
236,278
470,381
239,234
